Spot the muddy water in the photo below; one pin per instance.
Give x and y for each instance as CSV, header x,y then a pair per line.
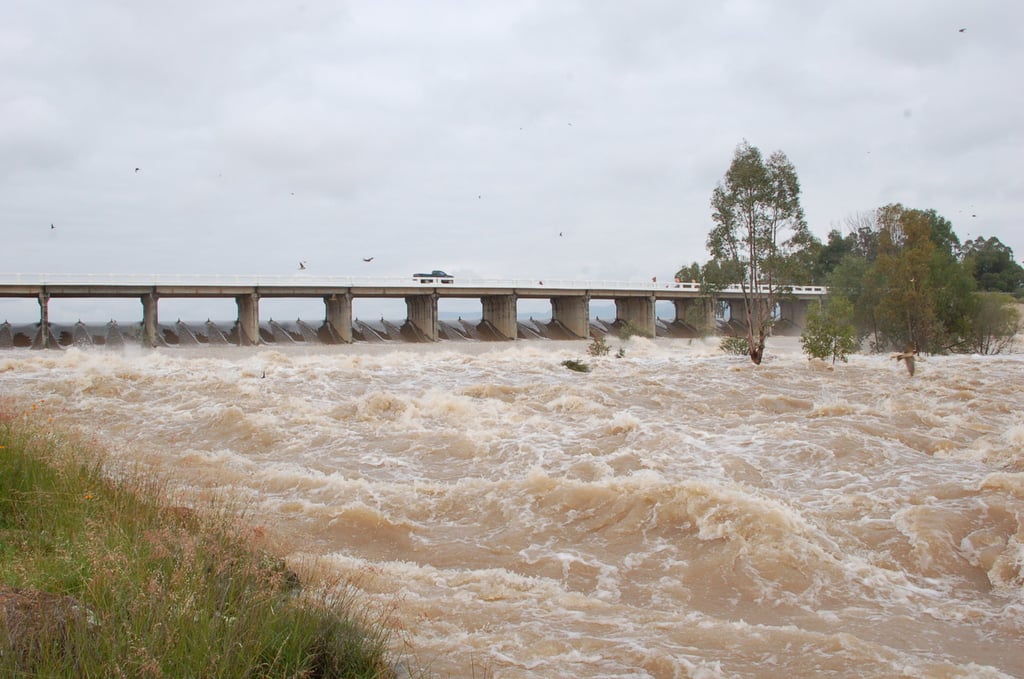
x,y
673,513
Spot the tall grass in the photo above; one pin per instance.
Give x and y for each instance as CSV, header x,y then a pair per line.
x,y
166,592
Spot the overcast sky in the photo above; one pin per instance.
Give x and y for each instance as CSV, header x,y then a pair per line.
x,y
514,139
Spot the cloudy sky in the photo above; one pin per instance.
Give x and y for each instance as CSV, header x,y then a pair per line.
x,y
513,140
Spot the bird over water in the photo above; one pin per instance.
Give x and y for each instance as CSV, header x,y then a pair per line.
x,y
907,356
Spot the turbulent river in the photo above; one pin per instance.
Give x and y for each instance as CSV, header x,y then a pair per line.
x,y
676,512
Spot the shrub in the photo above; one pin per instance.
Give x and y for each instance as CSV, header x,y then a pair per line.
x,y
630,329
830,333
578,366
598,346
735,345
995,324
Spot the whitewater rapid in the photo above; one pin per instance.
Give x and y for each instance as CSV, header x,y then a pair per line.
x,y
676,512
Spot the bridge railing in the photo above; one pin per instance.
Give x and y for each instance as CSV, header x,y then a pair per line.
x,y
303,280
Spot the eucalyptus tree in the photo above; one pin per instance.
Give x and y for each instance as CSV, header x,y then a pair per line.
x,y
759,229
993,266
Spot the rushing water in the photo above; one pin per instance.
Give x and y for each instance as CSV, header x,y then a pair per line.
x,y
673,513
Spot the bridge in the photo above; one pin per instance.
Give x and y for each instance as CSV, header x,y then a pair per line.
x,y
570,300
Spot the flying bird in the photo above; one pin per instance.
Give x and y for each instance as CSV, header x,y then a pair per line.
x,y
961,30
907,356
52,226
137,170
367,259
302,266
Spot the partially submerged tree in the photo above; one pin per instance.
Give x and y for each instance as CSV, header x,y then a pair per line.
x,y
917,292
996,324
830,333
759,233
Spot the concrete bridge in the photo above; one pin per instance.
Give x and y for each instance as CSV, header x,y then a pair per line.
x,y
570,300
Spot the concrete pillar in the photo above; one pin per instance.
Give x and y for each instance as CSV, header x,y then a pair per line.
x,y
149,320
339,315
42,340
500,312
248,319
794,311
421,312
573,313
698,312
637,310
737,311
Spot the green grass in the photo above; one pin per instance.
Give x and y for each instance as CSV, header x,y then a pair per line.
x,y
169,592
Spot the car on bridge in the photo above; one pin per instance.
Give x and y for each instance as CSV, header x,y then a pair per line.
x,y
435,276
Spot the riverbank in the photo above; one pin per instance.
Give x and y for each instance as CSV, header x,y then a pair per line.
x,y
108,578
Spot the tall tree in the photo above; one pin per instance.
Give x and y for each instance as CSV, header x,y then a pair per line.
x,y
919,293
905,309
759,226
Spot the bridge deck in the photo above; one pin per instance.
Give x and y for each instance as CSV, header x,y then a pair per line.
x,y
136,285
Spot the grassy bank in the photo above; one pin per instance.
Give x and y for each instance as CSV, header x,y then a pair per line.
x,y
158,590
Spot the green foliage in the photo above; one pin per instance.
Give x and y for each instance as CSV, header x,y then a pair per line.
x,y
576,366
713,276
598,346
829,333
735,345
995,324
901,273
754,208
166,591
992,265
630,329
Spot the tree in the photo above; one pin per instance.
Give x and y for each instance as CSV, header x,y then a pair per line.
x,y
712,277
905,312
914,291
830,255
996,323
993,266
829,332
759,229
851,281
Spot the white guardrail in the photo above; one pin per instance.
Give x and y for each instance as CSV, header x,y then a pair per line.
x,y
300,280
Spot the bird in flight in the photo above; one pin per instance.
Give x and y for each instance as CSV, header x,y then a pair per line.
x,y
302,266
367,259
962,30
52,226
907,356
137,170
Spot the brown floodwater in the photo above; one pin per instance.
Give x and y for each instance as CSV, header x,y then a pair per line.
x,y
673,513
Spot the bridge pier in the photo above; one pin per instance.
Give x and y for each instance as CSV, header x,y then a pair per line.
x,y
338,316
636,310
573,313
794,311
149,320
500,312
737,311
42,340
698,313
421,313
248,323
